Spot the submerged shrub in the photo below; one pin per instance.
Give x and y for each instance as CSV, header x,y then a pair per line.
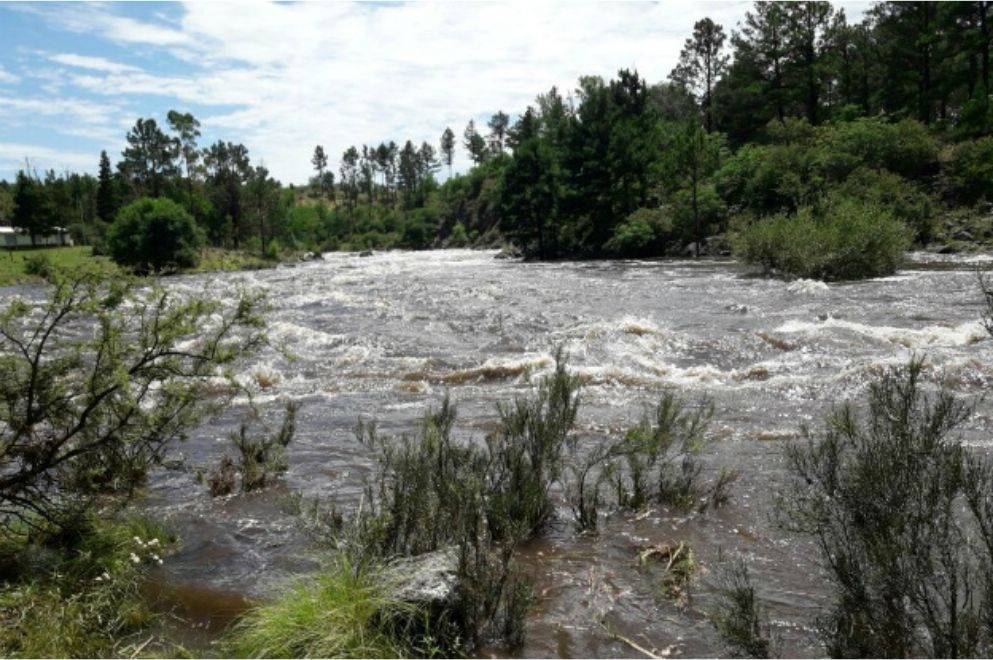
x,y
737,616
846,240
260,457
903,519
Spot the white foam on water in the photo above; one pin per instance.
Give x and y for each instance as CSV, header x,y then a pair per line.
x,y
807,287
964,334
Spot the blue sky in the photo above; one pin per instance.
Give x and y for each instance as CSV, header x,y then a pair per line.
x,y
281,78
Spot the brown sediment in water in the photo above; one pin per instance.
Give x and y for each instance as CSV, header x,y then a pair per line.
x,y
211,609
477,374
776,342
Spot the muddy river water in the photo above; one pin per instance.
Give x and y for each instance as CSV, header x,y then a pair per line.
x,y
384,337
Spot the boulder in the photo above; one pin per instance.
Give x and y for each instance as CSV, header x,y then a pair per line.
x,y
427,580
509,252
365,253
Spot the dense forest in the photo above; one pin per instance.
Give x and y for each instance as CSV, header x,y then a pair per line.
x,y
795,115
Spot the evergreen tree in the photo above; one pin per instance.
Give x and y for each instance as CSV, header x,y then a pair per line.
x,y
474,143
498,131
448,149
701,64
320,162
106,191
32,209
149,160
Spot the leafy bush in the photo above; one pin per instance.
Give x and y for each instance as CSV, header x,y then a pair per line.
x,y
85,412
38,264
769,178
641,234
154,234
903,518
905,148
905,199
970,172
843,241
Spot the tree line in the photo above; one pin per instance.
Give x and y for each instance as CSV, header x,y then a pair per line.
x,y
792,110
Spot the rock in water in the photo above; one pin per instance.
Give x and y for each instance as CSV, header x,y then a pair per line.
x,y
365,253
428,580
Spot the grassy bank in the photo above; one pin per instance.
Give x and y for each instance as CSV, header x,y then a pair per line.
x,y
20,266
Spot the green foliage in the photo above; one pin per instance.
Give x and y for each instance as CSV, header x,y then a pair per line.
x,y
260,457
737,616
904,199
901,515
78,594
643,233
843,241
970,172
154,234
905,148
763,179
86,413
342,612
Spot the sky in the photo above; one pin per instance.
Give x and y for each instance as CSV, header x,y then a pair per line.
x,y
282,78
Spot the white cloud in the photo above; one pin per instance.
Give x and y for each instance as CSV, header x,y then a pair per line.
x,y
90,62
337,74
7,76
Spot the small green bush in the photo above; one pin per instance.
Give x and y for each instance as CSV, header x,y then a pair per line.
x,y
260,457
970,172
846,240
641,234
154,234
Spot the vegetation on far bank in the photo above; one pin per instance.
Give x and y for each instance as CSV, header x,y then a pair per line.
x,y
797,108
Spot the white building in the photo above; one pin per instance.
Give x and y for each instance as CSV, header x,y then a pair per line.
x,y
11,238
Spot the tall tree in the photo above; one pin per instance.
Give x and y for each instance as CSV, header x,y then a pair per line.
x,y
498,131
186,129
32,209
474,143
228,168
149,160
701,64
262,192
807,22
448,149
532,190
106,193
762,41
320,162
349,180
693,156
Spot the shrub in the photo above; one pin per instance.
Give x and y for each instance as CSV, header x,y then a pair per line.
x,y
845,240
641,234
154,234
903,519
38,264
260,457
904,199
85,411
769,178
970,172
737,616
905,147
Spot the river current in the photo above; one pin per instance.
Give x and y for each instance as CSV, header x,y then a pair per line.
x,y
385,337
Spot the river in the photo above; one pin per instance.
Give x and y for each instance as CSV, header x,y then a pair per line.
x,y
384,337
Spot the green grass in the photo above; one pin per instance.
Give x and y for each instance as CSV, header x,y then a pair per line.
x,y
13,262
77,594
339,613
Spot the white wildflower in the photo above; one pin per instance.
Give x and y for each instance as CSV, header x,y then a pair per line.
x,y
134,558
